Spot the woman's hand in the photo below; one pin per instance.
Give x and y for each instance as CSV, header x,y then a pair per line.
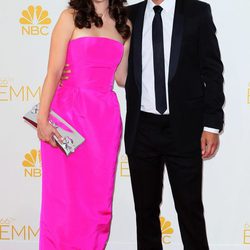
x,y
45,132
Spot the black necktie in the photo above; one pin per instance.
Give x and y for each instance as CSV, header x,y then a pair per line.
x,y
159,64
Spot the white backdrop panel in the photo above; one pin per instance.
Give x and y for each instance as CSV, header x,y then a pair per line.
x,y
23,60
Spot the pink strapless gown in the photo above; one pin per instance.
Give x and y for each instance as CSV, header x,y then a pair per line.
x,y
77,191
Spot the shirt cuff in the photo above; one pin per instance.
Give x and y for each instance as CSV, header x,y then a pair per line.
x,y
212,130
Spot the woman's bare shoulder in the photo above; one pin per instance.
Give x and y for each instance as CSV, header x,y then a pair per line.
x,y
67,15
65,25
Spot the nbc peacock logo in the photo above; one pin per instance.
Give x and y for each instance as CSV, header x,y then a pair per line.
x,y
32,164
166,230
35,21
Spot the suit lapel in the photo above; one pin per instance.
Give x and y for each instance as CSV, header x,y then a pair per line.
x,y
137,43
176,42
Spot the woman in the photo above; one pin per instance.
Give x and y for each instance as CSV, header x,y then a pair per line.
x,y
77,191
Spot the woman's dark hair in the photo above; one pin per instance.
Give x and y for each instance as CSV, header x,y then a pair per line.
x,y
86,15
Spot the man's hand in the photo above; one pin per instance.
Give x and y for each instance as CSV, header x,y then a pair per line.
x,y
65,74
209,144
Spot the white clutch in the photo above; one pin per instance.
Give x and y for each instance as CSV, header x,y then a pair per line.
x,y
71,138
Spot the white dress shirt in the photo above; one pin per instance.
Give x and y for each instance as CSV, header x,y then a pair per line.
x,y
148,89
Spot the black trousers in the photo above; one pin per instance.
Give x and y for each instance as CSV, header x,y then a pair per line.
x,y
154,147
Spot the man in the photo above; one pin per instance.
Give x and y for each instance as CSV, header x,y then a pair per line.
x,y
174,93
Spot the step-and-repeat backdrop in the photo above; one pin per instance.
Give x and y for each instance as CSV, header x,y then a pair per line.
x,y
25,28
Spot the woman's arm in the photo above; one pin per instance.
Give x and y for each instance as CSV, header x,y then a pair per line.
x,y
61,35
122,69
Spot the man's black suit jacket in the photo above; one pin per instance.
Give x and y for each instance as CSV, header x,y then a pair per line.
x,y
195,75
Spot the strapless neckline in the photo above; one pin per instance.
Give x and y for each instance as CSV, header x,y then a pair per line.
x,y
93,61
97,37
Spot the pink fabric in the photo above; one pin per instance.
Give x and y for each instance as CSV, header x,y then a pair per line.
x,y
77,191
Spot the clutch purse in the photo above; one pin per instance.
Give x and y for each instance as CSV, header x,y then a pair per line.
x,y
71,138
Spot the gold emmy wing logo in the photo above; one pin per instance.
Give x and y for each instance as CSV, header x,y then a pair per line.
x,y
124,168
166,230
35,21
10,231
32,164
246,235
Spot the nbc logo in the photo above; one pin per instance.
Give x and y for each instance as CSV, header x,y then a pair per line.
x,y
10,231
32,164
166,230
35,21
